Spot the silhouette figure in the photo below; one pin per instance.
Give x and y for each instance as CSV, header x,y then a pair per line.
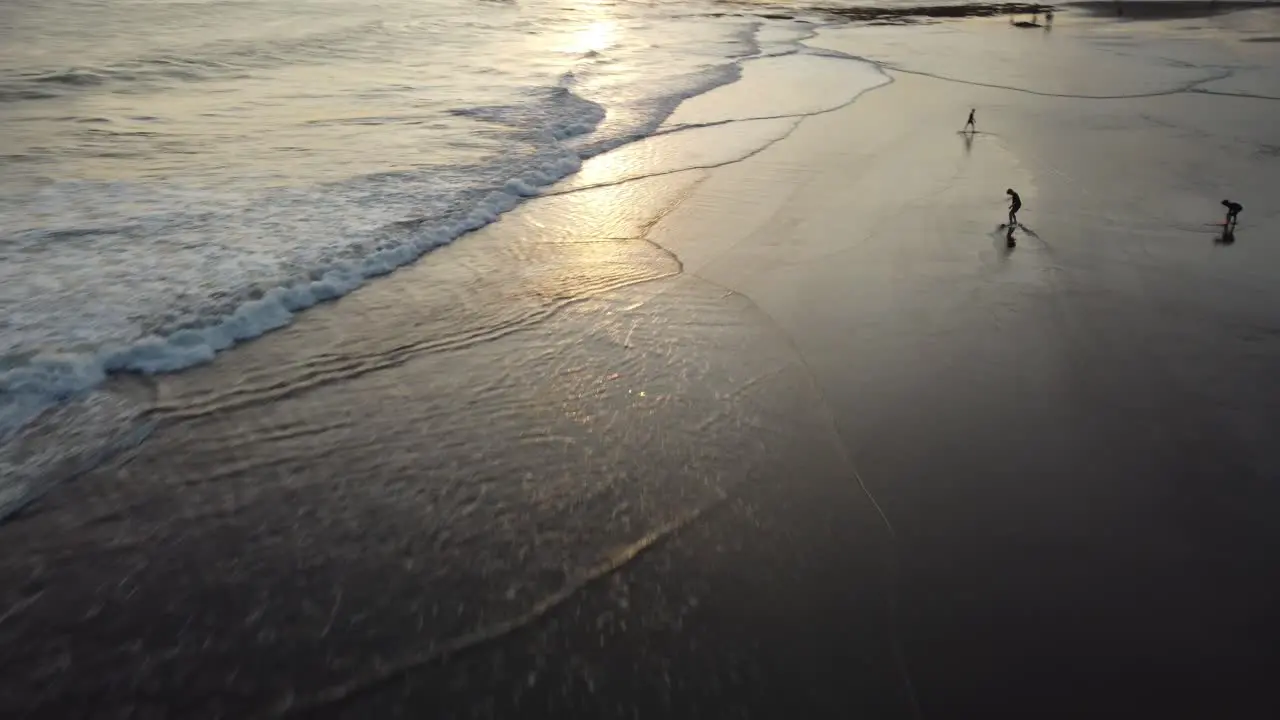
x,y
1233,213
971,124
1015,204
1048,17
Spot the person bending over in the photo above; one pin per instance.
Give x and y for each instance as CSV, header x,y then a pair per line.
x,y
1015,204
1233,212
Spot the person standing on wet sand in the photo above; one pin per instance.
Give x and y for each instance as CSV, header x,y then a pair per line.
x,y
1015,204
1233,213
971,124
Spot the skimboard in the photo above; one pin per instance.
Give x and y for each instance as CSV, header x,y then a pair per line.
x,y
1204,227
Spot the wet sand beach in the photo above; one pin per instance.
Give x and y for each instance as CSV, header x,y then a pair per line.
x,y
759,417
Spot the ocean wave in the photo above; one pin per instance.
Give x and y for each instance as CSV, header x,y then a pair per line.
x,y
182,338
51,377
50,84
83,78
556,111
155,277
215,61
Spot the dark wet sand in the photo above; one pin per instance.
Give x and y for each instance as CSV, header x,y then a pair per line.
x,y
1071,439
773,605
1070,436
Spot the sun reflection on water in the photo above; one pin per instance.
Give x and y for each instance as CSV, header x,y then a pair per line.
x,y
599,31
597,36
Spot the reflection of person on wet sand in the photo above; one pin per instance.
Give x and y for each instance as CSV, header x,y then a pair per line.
x,y
1034,22
970,124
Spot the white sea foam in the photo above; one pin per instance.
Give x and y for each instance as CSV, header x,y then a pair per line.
x,y
58,375
129,275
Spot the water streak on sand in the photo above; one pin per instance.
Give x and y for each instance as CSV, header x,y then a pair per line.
x,y
687,168
321,371
1189,87
436,652
1226,93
